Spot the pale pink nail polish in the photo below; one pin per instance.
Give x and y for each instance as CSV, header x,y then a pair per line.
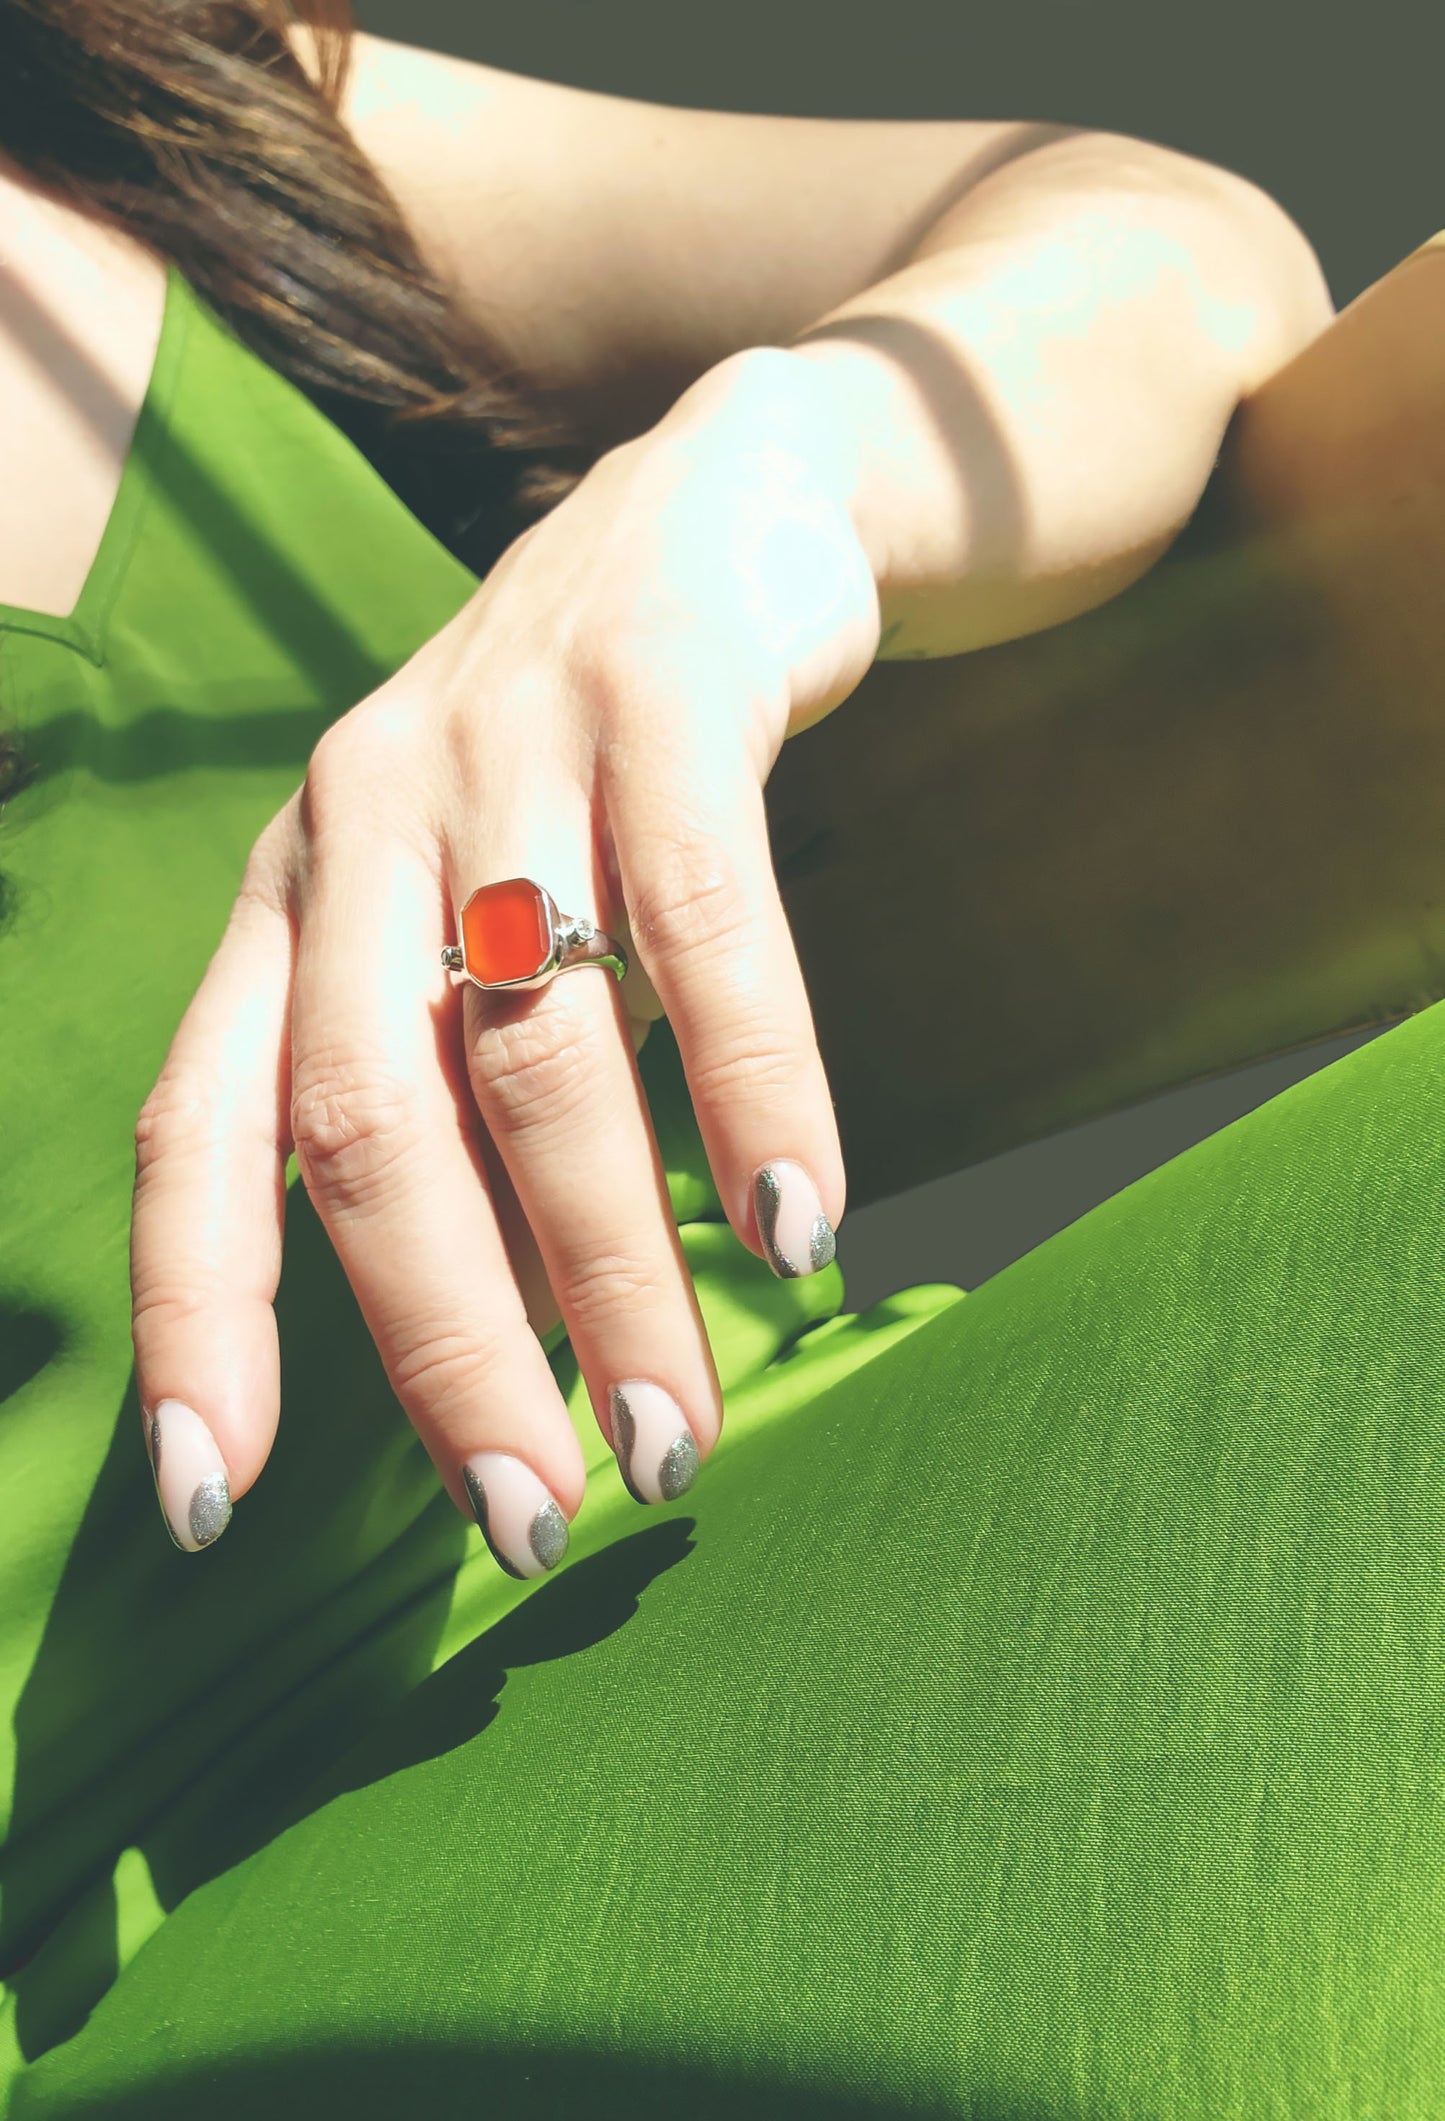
x,y
520,1519
796,1234
191,1479
656,1449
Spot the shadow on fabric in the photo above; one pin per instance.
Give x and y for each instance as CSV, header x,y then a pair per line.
x,y
379,2083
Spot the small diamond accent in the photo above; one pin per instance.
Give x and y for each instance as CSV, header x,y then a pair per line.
x,y
583,929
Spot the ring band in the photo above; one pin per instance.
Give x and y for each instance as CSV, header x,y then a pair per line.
x,y
512,935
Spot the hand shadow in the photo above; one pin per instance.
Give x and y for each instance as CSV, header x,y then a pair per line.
x,y
176,1702
576,1610
320,1625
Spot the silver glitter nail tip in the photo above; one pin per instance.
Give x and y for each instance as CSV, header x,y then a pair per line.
x,y
767,1199
153,1451
624,1441
654,1416
210,1510
823,1248
679,1467
767,1204
477,1497
547,1535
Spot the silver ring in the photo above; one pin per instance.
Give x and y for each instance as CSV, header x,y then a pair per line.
x,y
512,935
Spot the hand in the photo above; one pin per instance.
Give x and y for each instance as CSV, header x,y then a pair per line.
x,y
601,716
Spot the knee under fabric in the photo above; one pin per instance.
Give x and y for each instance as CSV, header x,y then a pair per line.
x,y
1042,1718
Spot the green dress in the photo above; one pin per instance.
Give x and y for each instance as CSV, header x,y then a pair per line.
x,y
1035,1709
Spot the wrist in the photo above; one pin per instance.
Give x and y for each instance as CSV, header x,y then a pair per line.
x,y
790,411
757,443
856,424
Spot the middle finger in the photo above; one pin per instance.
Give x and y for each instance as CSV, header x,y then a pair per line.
x,y
555,1077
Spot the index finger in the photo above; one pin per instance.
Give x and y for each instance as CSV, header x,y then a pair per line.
x,y
211,1147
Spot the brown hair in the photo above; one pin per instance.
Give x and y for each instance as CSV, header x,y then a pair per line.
x,y
193,124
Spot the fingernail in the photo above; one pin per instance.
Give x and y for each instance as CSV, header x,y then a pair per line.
x,y
191,1478
521,1521
796,1234
656,1450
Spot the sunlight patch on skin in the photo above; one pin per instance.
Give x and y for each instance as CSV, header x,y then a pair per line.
x,y
389,80
1055,290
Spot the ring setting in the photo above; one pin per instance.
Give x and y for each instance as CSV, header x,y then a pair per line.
x,y
513,935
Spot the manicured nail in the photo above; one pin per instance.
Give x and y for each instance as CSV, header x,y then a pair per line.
x,y
521,1521
796,1234
191,1479
656,1450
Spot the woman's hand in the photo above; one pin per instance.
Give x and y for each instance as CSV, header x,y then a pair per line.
x,y
601,717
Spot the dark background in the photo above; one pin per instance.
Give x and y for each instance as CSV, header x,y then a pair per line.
x,y
1336,111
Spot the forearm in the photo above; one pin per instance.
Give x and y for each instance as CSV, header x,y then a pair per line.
x,y
1026,414
1194,827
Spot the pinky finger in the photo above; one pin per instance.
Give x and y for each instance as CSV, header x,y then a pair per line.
x,y
211,1149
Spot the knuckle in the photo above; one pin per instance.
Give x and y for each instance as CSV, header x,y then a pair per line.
x,y
353,1124
356,768
688,901
536,1070
178,1118
435,1369
752,1070
263,881
610,1286
157,1308
330,772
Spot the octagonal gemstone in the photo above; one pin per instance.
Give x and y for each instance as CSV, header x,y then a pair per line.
x,y
506,931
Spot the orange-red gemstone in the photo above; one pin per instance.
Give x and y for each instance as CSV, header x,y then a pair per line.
x,y
506,931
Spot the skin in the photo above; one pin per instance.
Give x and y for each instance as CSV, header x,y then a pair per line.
x,y
1193,828
780,486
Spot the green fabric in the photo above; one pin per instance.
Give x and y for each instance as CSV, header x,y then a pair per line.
x,y
1034,1710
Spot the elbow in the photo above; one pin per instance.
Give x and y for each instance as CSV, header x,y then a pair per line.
x,y
1246,242
1246,254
